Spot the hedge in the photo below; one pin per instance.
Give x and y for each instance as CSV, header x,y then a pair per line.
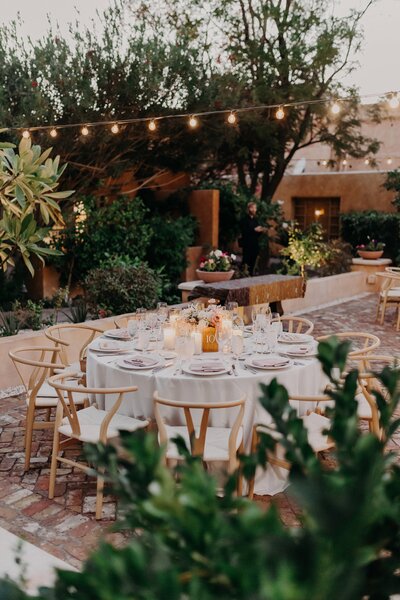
x,y
357,227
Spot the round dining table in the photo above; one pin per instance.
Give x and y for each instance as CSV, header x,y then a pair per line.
x,y
303,376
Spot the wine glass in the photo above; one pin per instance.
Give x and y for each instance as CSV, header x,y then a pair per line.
x,y
143,339
222,336
162,311
277,323
237,346
133,326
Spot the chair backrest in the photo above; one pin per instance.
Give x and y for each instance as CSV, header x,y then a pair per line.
x,y
197,442
34,365
296,324
395,270
365,342
67,384
369,383
72,339
121,322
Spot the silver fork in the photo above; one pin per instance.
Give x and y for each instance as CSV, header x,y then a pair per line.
x,y
249,369
234,371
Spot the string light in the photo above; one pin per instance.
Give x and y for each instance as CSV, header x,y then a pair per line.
x,y
389,161
324,163
335,108
344,162
394,101
115,128
53,132
193,122
26,134
392,98
366,161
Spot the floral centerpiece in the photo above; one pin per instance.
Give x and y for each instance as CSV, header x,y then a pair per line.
x,y
216,266
206,321
371,250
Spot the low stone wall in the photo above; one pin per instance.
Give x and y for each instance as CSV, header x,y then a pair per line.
x,y
326,290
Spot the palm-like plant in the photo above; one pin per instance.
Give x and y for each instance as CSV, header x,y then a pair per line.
x,y
28,180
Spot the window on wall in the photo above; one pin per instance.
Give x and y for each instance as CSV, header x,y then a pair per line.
x,y
324,210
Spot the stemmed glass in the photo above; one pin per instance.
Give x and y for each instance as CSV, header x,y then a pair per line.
x,y
222,336
162,311
237,346
133,326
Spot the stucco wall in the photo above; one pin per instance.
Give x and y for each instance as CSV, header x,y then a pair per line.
x,y
357,191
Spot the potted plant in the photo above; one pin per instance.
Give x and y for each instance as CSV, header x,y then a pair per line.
x,y
216,266
372,250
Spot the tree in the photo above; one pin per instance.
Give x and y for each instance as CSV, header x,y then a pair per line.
x,y
392,184
28,181
186,57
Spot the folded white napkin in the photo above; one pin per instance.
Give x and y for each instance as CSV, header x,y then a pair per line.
x,y
121,334
108,345
140,361
288,337
270,362
299,350
207,366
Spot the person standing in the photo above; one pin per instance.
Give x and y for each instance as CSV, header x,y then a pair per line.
x,y
251,231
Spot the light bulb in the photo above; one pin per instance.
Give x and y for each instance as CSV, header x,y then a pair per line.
x,y
193,122
280,113
26,134
53,132
335,108
115,128
324,163
366,161
85,131
232,118
394,101
152,125
344,162
389,161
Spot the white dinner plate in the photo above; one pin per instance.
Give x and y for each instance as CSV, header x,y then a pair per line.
x,y
281,363
295,338
186,369
110,346
298,353
150,362
118,334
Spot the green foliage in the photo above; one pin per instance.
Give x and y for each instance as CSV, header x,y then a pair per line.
x,y
338,260
357,227
392,184
9,323
121,289
96,231
217,57
306,248
11,285
78,311
190,543
28,180
166,252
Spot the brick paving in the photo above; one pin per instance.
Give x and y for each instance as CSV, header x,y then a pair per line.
x,y
65,526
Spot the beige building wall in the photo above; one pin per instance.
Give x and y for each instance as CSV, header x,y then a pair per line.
x,y
357,191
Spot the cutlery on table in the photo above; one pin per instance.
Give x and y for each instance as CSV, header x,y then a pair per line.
x,y
234,371
249,369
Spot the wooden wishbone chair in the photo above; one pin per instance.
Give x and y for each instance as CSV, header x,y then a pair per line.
x,y
367,342
221,444
368,384
292,324
34,366
389,294
315,423
73,340
90,424
121,322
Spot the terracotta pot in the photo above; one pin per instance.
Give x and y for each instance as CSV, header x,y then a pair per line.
x,y
209,340
370,254
213,276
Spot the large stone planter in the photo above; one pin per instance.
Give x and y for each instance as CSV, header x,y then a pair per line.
x,y
213,276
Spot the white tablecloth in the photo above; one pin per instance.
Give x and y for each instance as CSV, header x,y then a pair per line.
x,y
300,379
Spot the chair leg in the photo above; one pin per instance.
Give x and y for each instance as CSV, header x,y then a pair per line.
x,y
239,483
56,449
398,317
30,417
48,414
99,493
383,310
251,481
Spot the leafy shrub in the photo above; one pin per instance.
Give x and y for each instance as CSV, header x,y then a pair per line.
x,y
305,249
338,259
392,184
166,252
357,227
194,544
9,324
121,289
30,315
96,231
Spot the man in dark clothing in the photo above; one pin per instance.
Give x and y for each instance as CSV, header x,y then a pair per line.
x,y
251,231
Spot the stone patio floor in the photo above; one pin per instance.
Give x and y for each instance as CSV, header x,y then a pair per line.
x,y
65,526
